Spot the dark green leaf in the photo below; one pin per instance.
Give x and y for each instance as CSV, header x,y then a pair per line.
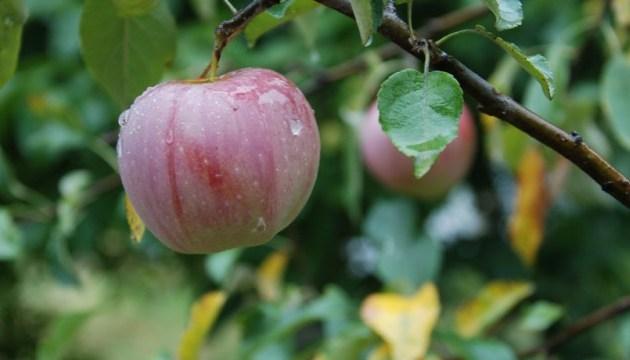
x,y
420,114
124,52
508,13
614,97
12,18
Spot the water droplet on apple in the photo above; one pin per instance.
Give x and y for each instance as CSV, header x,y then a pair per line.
x,y
119,147
296,126
261,225
169,136
123,118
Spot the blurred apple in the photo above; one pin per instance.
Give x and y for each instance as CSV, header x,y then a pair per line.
x,y
216,165
395,170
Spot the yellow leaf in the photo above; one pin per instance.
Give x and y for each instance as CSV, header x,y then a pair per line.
x,y
269,275
202,316
526,224
405,323
494,301
135,223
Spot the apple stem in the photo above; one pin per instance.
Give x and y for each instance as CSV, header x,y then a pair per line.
x,y
228,29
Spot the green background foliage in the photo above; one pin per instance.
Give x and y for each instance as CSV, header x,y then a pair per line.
x,y
73,285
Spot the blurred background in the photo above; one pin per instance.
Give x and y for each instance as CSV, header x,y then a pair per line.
x,y
73,285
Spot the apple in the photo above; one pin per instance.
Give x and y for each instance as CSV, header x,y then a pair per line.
x,y
395,170
215,165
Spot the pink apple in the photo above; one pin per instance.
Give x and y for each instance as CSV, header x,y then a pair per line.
x,y
395,170
216,165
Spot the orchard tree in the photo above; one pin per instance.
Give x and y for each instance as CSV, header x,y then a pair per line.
x,y
219,155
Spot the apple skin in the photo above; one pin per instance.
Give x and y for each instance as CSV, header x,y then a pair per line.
x,y
215,165
395,170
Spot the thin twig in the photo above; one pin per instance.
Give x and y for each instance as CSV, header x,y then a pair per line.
x,y
230,28
504,107
587,322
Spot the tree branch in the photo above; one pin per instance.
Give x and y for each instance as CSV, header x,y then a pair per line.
x,y
587,322
501,106
430,29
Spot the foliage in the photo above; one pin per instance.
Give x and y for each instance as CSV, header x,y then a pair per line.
x,y
524,247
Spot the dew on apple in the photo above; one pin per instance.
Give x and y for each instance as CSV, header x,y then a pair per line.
x,y
123,118
296,126
261,225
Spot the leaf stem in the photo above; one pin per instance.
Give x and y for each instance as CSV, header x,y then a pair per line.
x,y
228,29
447,37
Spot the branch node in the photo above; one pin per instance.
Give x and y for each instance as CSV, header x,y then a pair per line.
x,y
577,138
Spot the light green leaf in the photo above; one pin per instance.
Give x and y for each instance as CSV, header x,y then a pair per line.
x,y
614,98
368,15
12,18
536,65
508,13
266,21
59,335
278,11
406,266
219,265
481,349
420,114
126,53
540,315
10,237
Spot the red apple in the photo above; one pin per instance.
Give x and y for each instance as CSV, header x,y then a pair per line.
x,y
216,165
395,170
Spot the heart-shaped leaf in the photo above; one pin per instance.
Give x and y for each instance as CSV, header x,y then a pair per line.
x,y
420,113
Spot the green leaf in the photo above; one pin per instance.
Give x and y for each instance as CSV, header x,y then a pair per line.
x,y
12,18
536,65
368,15
278,11
614,97
219,265
266,21
126,53
391,221
508,13
487,349
420,114
10,237
59,335
406,266
540,315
